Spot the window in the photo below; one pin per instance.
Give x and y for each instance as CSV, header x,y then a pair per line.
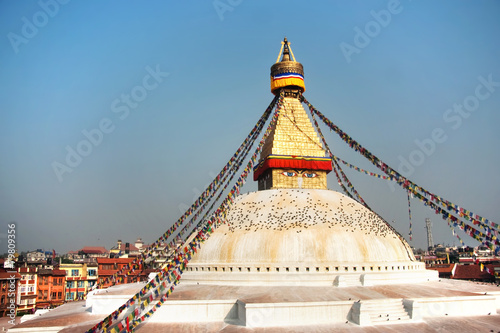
x,y
91,283
92,272
54,295
59,295
74,272
81,284
69,284
3,299
70,296
80,295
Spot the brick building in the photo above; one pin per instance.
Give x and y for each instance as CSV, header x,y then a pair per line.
x,y
27,294
109,266
51,284
8,291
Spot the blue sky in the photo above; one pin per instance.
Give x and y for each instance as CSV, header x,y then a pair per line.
x,y
68,66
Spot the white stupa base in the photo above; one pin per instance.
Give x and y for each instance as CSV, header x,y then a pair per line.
x,y
105,301
287,276
250,306
444,306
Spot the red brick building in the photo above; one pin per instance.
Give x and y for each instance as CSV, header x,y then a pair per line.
x,y
51,284
8,291
109,266
27,289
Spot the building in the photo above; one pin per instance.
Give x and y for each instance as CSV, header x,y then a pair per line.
x,y
51,288
76,256
92,275
94,252
9,284
474,273
444,270
109,266
139,244
79,280
88,254
158,255
37,256
28,292
125,250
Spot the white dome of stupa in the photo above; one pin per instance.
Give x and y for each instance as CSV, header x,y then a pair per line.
x,y
306,236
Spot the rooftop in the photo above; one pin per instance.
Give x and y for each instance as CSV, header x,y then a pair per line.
x,y
114,260
472,272
94,250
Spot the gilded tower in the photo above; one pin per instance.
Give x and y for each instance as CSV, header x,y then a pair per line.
x,y
293,155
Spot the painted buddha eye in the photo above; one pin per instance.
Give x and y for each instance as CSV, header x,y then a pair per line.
x,y
310,175
289,173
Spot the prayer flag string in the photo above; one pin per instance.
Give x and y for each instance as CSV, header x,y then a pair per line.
x,y
172,271
213,186
489,236
409,213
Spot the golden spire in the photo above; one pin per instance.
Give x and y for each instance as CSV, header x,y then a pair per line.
x,y
293,155
287,73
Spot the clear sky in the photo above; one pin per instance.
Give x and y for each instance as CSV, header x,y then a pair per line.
x,y
167,90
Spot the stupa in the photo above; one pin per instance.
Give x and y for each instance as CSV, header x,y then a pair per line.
x,y
295,256
293,230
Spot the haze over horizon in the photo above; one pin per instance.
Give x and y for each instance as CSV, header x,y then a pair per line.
x,y
115,115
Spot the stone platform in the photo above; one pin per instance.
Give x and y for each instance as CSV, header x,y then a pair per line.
x,y
423,307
